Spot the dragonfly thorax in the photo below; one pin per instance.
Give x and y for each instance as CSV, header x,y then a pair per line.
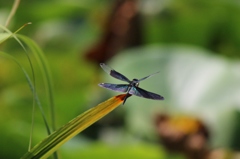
x,y
135,82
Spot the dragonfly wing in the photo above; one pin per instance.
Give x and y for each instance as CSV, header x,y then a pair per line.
x,y
114,73
147,77
115,87
145,94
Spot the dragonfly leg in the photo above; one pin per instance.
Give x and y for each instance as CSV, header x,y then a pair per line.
x,y
126,97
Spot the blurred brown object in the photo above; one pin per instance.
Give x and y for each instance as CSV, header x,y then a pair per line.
x,y
183,134
123,29
222,154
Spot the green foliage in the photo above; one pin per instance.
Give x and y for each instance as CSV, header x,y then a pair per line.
x,y
209,24
191,79
101,150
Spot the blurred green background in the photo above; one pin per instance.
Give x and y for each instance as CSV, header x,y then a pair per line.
x,y
195,45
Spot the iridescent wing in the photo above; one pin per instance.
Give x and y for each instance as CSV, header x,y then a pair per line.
x,y
145,94
147,77
115,87
114,73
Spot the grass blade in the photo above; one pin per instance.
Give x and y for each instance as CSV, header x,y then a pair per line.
x,y
32,88
78,124
43,65
4,37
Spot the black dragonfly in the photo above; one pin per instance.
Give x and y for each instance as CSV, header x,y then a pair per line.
x,y
131,88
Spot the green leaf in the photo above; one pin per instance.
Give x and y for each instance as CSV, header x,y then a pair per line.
x,y
65,133
193,81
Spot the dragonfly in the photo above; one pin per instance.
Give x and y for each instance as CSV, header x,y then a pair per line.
x,y
131,88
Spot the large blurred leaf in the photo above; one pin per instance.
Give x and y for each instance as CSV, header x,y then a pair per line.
x,y
192,81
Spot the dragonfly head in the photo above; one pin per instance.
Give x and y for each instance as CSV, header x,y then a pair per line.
x,y
135,82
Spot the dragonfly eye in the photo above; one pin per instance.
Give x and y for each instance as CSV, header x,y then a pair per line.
x,y
135,82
